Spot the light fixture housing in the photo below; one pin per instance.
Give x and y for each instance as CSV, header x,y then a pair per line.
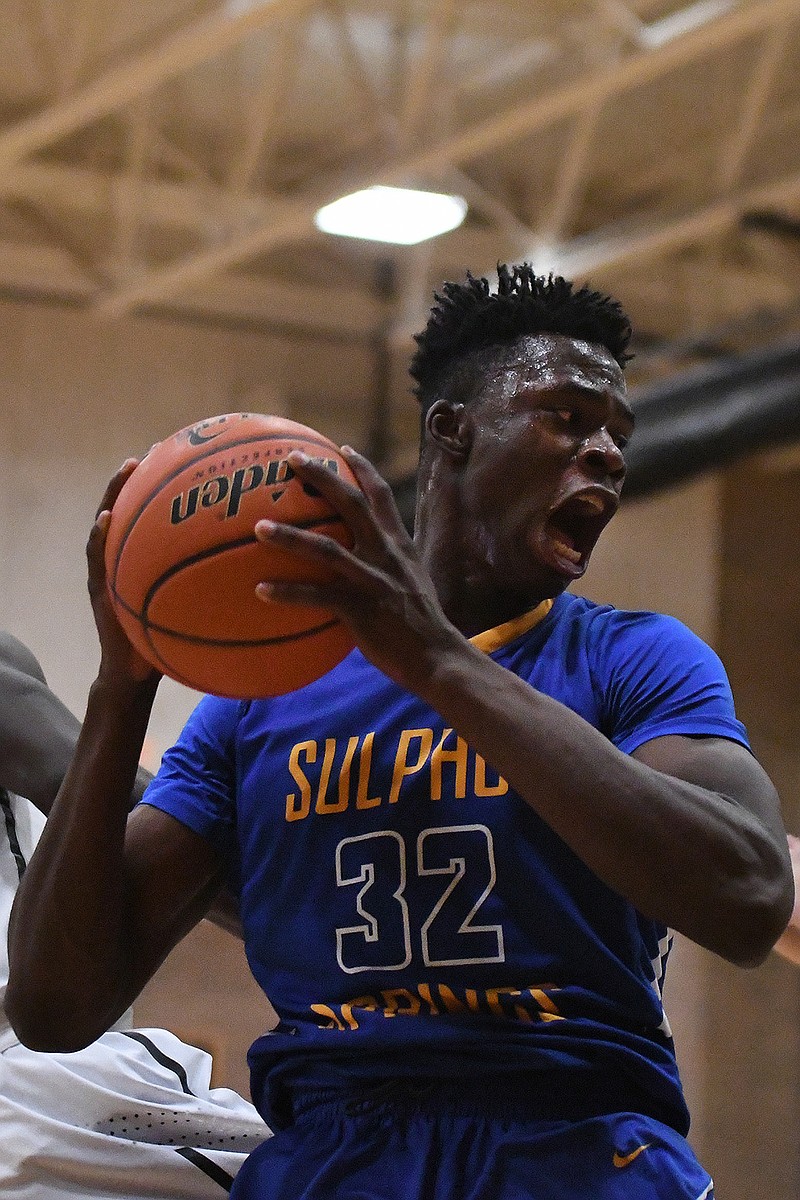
x,y
399,216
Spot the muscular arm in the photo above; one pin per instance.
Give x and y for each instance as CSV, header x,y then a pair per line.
x,y
687,829
105,896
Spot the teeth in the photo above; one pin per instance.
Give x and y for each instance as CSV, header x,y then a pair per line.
x,y
591,502
567,551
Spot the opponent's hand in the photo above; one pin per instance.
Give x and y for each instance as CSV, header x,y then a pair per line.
x,y
119,660
380,588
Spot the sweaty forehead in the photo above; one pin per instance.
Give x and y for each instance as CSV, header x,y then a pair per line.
x,y
551,360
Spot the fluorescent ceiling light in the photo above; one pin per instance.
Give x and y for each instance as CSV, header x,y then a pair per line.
x,y
401,216
658,33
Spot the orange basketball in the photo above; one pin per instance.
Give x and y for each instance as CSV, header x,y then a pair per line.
x,y
183,561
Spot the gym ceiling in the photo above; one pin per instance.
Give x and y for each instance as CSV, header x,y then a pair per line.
x,y
167,157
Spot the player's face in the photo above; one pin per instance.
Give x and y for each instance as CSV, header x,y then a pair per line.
x,y
545,465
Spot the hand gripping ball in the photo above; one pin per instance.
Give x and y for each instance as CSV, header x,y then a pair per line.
x,y
182,558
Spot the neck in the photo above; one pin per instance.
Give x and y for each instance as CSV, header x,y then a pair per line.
x,y
472,599
474,610
475,593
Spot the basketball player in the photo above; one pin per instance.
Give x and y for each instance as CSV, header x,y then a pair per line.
x,y
132,1115
460,852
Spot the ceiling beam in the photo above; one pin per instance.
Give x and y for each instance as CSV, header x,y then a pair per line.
x,y
337,311
754,103
290,222
421,76
634,242
264,109
621,76
574,166
140,75
371,98
593,90
128,194
46,270
204,209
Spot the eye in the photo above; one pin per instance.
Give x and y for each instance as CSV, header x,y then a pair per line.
x,y
565,415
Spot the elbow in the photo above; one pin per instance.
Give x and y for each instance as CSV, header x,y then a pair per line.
x,y
47,1027
760,906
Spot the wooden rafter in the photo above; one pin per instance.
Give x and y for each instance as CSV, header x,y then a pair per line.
x,y
517,121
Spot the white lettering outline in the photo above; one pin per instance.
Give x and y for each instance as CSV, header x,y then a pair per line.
x,y
457,868
370,931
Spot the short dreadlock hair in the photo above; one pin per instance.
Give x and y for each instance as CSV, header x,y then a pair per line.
x,y
468,317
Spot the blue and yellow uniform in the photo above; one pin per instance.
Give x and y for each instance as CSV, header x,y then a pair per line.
x,y
435,952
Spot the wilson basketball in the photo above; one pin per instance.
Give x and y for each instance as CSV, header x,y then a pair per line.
x,y
183,561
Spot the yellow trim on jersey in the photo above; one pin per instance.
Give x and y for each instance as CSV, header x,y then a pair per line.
x,y
501,635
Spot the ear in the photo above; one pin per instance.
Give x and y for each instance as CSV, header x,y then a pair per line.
x,y
448,427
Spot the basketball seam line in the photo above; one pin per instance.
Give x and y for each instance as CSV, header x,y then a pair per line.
x,y
210,453
235,544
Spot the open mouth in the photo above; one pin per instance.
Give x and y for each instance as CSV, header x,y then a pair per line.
x,y
574,526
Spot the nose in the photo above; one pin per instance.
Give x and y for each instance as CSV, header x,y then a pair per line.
x,y
601,455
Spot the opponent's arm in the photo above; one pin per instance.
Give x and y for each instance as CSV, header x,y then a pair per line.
x,y
687,829
104,897
38,735
37,732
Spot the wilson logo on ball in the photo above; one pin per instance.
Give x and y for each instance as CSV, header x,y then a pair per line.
x,y
228,490
184,586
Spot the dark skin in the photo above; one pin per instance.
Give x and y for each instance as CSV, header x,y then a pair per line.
x,y
37,732
38,735
688,829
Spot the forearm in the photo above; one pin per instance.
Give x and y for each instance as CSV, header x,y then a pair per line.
x,y
680,852
72,944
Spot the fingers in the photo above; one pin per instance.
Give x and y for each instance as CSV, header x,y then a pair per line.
x,y
295,593
358,506
316,548
95,548
119,658
339,596
377,491
116,485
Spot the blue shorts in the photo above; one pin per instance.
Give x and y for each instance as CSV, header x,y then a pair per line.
x,y
446,1142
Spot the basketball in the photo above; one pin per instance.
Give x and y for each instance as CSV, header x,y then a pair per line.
x,y
183,561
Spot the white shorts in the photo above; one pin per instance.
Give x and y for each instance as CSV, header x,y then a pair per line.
x,y
131,1116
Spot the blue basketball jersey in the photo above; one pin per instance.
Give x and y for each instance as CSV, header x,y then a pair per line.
x,y
407,913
